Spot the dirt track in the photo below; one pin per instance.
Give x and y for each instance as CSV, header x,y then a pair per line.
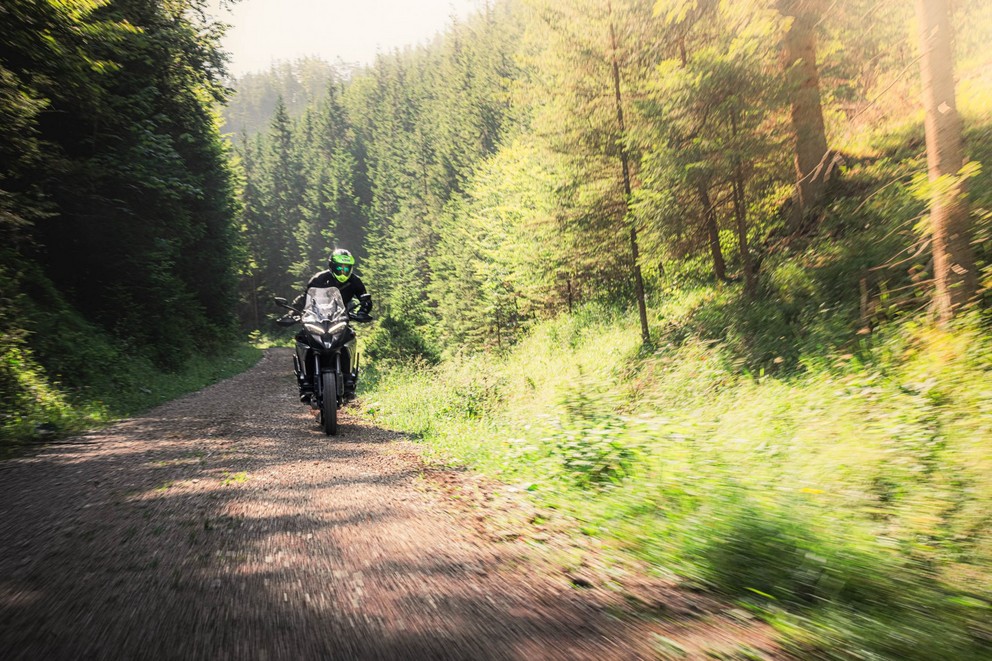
x,y
225,525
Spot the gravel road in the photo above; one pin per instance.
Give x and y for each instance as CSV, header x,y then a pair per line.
x,y
225,525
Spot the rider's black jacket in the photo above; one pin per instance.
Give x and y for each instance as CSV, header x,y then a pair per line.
x,y
351,288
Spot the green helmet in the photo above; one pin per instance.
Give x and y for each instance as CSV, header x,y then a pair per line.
x,y
341,264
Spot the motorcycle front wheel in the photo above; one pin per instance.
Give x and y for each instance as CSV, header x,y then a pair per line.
x,y
329,403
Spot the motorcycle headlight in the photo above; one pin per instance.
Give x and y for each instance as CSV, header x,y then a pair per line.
x,y
316,329
340,326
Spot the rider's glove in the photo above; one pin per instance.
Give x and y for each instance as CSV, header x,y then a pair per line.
x,y
365,303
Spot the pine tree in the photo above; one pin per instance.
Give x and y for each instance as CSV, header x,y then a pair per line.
x,y
799,60
953,261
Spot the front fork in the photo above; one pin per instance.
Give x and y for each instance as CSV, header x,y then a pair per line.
x,y
318,381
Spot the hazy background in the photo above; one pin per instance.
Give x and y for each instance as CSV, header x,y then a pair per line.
x,y
266,31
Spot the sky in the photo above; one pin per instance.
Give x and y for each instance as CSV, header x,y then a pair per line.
x,y
265,31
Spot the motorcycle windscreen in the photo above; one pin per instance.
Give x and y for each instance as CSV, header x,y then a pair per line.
x,y
325,304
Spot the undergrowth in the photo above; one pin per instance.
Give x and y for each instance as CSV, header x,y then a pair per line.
x,y
60,373
848,501
820,454
96,383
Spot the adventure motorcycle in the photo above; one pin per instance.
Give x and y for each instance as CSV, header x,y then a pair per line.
x,y
326,350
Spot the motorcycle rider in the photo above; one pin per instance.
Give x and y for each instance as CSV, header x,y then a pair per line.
x,y
339,274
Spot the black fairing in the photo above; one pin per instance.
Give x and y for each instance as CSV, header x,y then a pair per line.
x,y
324,338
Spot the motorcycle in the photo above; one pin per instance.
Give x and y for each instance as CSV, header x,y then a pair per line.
x,y
326,350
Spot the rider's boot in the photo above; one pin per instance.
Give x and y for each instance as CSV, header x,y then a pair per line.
x,y
350,381
306,392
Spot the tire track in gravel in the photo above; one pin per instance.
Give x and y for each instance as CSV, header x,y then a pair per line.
x,y
225,525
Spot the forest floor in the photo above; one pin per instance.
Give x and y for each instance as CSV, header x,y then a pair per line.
x,y
225,525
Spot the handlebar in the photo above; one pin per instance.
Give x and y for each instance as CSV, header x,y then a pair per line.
x,y
360,317
282,303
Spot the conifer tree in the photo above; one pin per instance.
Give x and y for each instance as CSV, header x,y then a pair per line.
x,y
953,260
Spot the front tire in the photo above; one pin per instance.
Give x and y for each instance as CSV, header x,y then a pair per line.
x,y
329,403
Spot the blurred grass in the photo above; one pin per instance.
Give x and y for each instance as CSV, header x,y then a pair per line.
x,y
848,500
821,454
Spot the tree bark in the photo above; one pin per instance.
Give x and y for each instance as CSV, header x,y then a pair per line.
x,y
254,302
625,167
712,232
953,261
740,212
799,60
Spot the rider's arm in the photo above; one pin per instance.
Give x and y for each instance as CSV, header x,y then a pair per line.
x,y
364,297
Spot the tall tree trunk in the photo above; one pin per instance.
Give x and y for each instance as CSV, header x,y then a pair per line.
x,y
254,302
799,60
953,261
499,331
740,213
712,232
625,167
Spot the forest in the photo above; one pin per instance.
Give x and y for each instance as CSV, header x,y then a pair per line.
x,y
709,281
118,211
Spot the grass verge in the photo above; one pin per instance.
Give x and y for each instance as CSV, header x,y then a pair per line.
x,y
38,408
845,499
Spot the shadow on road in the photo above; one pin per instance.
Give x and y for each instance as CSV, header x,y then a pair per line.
x,y
226,526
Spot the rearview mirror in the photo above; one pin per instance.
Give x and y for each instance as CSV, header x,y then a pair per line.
x,y
280,300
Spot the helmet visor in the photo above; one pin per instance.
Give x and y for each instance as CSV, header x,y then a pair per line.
x,y
342,270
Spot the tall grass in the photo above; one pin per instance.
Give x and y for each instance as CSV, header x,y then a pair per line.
x,y
851,494
821,453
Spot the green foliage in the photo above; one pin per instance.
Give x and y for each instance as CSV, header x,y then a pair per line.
x,y
426,119
31,405
64,374
843,502
394,340
117,187
96,382
117,207
592,455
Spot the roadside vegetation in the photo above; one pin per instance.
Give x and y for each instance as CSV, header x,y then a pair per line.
x,y
687,274
819,455
844,496
119,248
100,381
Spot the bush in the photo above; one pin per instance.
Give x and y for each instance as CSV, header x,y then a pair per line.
x,y
396,340
31,406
